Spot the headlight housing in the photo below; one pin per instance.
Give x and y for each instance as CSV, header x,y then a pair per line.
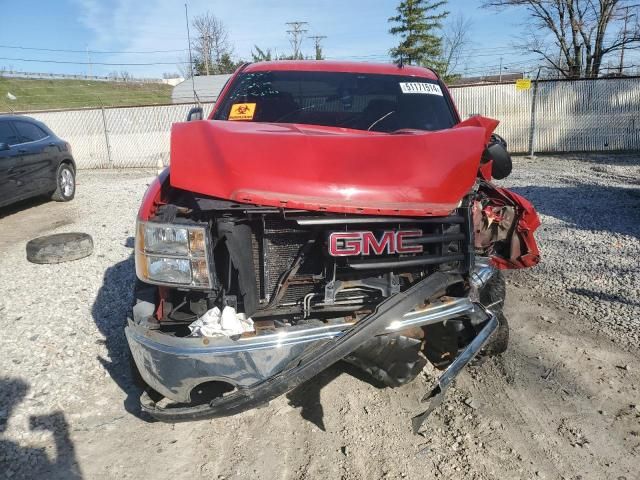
x,y
173,254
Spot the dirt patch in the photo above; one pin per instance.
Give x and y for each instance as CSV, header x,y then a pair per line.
x,y
562,403
31,218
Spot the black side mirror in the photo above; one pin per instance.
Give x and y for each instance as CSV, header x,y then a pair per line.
x,y
4,146
196,113
497,151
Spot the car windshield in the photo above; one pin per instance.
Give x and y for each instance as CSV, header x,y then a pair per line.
x,y
381,103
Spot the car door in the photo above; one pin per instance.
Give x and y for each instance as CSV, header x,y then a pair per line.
x,y
9,163
38,155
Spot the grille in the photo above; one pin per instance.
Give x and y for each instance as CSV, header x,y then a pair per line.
x,y
278,241
282,246
276,245
442,243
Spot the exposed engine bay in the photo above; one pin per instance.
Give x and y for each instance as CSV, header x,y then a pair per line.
x,y
293,269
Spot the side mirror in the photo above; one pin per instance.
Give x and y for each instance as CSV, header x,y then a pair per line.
x,y
4,146
196,113
502,164
497,151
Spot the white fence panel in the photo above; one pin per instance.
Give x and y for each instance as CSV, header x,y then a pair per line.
x,y
502,102
139,136
134,136
588,115
581,115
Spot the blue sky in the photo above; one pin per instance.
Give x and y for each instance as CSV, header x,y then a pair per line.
x,y
356,29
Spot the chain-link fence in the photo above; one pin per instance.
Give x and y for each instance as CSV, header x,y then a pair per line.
x,y
118,137
582,115
560,116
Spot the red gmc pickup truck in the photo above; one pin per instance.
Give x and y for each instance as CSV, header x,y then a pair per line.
x,y
324,212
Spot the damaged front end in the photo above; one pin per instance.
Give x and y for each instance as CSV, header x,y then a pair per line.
x,y
385,292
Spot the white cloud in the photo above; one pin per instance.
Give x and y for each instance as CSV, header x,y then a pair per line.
x,y
354,28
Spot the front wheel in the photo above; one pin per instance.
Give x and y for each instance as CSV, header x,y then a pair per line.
x,y
492,296
65,184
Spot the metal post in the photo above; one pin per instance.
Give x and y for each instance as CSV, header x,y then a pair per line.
x,y
532,126
193,84
89,62
106,136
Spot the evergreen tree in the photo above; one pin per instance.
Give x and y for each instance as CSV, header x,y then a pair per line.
x,y
261,55
226,64
417,24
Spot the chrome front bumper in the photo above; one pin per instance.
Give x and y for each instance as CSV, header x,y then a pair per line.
x,y
174,366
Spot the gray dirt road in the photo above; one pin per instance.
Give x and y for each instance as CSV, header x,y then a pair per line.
x,y
34,217
562,403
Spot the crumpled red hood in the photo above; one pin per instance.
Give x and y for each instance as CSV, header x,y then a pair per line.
x,y
329,169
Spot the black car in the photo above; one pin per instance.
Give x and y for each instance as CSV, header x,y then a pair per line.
x,y
33,161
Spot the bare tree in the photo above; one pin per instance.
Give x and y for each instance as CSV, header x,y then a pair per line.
x,y
184,67
211,43
125,76
455,42
574,36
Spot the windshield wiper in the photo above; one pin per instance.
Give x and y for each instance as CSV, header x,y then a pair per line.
x,y
380,119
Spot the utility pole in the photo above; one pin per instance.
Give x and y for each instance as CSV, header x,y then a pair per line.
x,y
296,31
316,40
500,75
89,62
532,127
193,84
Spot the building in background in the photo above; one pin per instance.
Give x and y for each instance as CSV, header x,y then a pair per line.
x,y
207,88
172,81
486,79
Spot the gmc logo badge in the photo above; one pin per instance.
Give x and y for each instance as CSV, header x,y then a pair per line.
x,y
346,244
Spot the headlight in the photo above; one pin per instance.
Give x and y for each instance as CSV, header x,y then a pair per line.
x,y
173,255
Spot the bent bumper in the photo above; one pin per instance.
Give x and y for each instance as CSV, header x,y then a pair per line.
x,y
174,366
265,366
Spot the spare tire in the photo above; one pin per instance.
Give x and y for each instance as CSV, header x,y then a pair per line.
x,y
61,247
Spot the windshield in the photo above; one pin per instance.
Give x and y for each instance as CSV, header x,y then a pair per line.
x,y
380,103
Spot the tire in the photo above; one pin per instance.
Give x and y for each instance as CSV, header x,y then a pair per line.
x,y
495,291
65,184
61,247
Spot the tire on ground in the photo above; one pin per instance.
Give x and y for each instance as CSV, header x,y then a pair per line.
x,y
493,295
61,247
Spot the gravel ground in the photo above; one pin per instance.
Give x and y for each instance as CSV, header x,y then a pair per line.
x,y
590,210
561,403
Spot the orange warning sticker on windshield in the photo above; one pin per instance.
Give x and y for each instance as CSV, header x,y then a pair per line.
x,y
242,111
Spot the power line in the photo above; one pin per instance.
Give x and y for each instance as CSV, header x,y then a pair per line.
x,y
90,63
296,33
17,47
316,41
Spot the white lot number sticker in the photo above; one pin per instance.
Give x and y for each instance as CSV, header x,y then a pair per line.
x,y
422,88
